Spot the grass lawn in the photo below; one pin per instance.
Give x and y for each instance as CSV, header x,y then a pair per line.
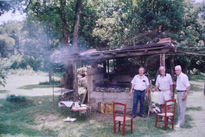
x,y
4,91
38,116
201,76
41,85
18,118
197,82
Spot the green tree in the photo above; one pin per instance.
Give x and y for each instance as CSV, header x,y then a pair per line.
x,y
193,28
113,25
12,5
125,23
5,64
9,38
6,45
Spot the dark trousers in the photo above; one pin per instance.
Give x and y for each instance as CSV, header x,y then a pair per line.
x,y
138,96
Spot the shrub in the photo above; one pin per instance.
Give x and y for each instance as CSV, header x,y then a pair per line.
x,y
16,99
55,82
24,61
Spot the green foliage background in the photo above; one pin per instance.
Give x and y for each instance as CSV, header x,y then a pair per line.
x,y
104,24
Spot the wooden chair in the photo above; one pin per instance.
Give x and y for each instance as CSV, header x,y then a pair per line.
x,y
120,118
169,113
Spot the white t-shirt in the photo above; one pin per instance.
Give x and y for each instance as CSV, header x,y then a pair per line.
x,y
182,82
165,82
140,82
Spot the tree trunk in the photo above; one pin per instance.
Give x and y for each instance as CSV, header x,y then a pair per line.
x,y
50,75
64,23
68,84
50,71
76,25
75,46
65,42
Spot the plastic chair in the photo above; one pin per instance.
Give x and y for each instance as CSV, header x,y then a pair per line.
x,y
120,118
169,113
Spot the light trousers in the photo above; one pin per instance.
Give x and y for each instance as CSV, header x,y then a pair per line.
x,y
181,108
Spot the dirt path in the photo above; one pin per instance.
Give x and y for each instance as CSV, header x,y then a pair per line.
x,y
14,81
196,111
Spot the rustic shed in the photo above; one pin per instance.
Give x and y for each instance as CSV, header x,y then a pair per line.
x,y
132,51
102,88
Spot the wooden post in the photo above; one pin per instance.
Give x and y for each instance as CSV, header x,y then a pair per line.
x,y
172,71
204,87
75,80
104,67
162,59
172,65
50,75
108,68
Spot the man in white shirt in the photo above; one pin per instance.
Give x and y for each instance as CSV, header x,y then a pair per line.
x,y
165,85
140,85
182,87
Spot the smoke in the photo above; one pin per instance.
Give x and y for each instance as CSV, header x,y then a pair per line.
x,y
35,47
64,54
61,55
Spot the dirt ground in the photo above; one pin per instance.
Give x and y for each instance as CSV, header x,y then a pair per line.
x,y
15,81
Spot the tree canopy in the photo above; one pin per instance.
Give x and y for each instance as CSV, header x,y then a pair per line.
x,y
117,23
104,24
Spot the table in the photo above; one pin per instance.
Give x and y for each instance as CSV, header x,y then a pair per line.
x,y
83,108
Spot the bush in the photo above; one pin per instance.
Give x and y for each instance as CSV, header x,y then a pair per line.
x,y
55,82
24,61
4,66
16,99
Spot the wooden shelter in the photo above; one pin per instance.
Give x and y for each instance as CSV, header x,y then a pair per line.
x,y
99,88
128,52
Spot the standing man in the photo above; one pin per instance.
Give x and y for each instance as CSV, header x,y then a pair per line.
x,y
140,85
165,85
182,87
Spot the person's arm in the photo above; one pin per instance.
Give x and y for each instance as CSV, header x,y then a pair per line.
x,y
155,88
186,93
156,85
147,90
187,89
131,89
187,84
132,86
171,88
148,87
